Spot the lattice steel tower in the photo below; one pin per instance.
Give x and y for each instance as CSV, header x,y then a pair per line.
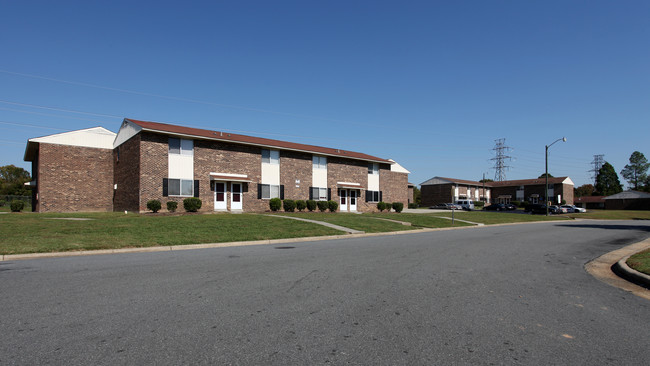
x,y
500,166
597,163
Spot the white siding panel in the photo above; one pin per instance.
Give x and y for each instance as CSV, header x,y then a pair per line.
x,y
271,174
319,178
181,166
373,182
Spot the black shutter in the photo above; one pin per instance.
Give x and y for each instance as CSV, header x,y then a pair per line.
x,y
380,198
165,187
281,192
329,194
196,188
259,191
311,193
368,195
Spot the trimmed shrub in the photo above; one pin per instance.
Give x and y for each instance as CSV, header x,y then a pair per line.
x,y
332,205
398,206
192,204
289,205
479,204
413,205
563,202
17,205
322,206
2,203
275,204
311,205
387,205
172,206
154,205
301,205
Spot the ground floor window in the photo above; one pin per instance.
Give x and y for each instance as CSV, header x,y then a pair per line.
x,y
179,187
268,191
318,194
373,196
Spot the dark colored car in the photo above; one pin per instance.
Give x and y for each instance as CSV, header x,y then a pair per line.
x,y
536,208
495,207
510,207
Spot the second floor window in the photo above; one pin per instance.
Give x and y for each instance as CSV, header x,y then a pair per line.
x,y
181,146
270,156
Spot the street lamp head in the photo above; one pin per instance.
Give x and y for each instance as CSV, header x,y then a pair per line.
x,y
563,139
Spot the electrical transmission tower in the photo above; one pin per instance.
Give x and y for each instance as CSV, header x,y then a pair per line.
x,y
597,163
500,166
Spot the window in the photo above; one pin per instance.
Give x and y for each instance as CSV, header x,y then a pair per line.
x,y
373,196
181,146
268,191
319,162
270,156
373,168
319,194
180,187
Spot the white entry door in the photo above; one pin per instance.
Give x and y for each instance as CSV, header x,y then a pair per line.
x,y
235,196
220,196
344,200
353,200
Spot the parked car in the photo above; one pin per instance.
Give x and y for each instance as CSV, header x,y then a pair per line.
x,y
495,207
510,207
466,204
573,209
536,208
557,209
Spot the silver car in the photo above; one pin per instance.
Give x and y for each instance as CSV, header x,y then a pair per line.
x,y
574,209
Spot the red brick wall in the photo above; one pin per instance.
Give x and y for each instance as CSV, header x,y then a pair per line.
x,y
126,168
74,178
222,157
351,171
394,186
153,168
296,166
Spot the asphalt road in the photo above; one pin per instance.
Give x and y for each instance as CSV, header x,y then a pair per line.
x,y
492,295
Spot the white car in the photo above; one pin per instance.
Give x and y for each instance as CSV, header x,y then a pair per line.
x,y
573,209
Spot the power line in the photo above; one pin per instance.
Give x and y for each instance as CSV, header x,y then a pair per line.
x,y
57,109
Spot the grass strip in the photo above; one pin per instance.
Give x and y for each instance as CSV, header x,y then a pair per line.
x,y
492,218
38,233
361,222
640,261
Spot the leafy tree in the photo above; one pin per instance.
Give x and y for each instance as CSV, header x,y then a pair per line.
x,y
417,196
486,180
13,179
584,190
635,172
544,176
607,182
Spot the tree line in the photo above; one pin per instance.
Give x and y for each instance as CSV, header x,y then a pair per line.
x,y
607,182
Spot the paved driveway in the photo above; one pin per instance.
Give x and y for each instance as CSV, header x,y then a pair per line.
x,y
493,295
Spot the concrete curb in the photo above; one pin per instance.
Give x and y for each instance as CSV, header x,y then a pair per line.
x,y
623,270
602,268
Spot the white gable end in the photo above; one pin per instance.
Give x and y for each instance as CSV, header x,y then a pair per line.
x,y
97,137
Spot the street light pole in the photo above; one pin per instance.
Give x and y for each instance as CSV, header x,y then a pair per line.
x,y
563,139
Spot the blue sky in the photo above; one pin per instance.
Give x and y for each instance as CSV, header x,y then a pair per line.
x,y
430,84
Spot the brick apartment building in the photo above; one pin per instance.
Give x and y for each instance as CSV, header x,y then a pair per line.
x,y
97,170
444,190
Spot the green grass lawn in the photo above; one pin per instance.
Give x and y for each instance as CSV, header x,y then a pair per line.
x,y
362,222
32,233
491,218
640,262
612,215
420,220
